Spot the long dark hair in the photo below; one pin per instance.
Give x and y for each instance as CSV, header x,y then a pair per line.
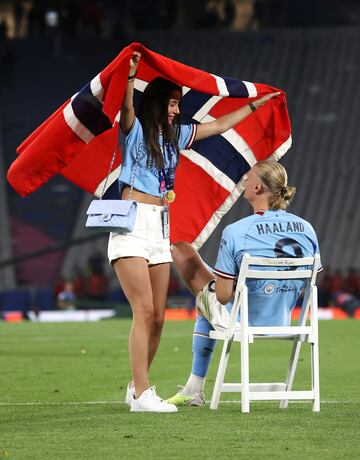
x,y
153,115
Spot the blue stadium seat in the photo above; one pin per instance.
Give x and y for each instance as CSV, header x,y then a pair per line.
x,y
116,295
15,300
44,299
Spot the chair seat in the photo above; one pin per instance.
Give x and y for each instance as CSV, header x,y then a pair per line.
x,y
303,333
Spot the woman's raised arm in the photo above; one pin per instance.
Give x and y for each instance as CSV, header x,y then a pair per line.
x,y
231,119
127,115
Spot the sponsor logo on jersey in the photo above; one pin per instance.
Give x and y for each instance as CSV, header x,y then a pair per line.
x,y
282,289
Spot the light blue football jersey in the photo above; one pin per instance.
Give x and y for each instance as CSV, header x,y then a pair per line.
x,y
271,234
143,177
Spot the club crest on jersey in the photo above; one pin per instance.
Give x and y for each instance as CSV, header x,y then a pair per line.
x,y
269,289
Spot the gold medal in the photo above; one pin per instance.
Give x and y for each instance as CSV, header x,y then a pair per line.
x,y
170,196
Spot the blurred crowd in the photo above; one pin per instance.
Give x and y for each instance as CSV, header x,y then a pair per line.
x,y
90,284
93,287
338,289
110,18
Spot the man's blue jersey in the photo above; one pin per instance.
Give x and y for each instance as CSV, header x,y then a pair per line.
x,y
271,234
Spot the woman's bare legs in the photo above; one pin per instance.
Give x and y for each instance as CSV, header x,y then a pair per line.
x,y
159,278
133,274
146,290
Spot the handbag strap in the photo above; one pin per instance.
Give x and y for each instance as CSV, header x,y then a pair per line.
x,y
132,181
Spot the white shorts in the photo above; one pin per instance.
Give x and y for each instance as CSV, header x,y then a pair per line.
x,y
146,240
210,308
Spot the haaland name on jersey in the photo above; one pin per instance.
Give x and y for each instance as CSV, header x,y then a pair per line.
x,y
280,227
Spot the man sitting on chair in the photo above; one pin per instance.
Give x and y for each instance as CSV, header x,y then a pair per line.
x,y
270,232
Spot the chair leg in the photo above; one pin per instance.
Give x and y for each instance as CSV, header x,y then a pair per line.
x,y
245,376
220,374
294,358
315,352
315,376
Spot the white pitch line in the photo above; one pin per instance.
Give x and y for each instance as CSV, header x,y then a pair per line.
x,y
80,403
290,402
65,403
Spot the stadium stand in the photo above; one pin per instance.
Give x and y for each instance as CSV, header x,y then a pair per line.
x,y
318,68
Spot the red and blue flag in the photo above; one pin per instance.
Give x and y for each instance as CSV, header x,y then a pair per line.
x,y
78,140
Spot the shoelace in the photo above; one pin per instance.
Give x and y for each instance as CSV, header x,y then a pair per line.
x,y
153,389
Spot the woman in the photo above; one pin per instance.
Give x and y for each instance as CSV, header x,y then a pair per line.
x,y
150,146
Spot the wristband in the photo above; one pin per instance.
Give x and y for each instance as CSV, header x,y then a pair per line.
x,y
132,77
252,106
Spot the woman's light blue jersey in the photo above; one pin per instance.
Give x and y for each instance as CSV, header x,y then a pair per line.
x,y
147,178
272,234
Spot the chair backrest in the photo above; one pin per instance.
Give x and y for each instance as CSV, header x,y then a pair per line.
x,y
284,268
304,268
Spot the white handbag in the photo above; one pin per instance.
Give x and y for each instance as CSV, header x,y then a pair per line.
x,y
113,215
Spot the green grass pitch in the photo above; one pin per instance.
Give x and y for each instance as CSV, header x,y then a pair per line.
x,y
62,388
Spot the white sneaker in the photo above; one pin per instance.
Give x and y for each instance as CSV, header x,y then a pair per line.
x,y
149,401
130,393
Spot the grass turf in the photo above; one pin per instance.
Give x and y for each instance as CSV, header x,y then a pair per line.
x,y
63,385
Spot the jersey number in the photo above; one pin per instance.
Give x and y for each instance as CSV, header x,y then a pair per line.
x,y
283,243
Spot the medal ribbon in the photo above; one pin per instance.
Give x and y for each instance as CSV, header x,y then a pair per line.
x,y
167,176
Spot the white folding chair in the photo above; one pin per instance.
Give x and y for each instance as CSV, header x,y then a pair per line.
x,y
304,331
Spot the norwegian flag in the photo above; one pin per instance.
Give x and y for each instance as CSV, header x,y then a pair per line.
x,y
79,139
